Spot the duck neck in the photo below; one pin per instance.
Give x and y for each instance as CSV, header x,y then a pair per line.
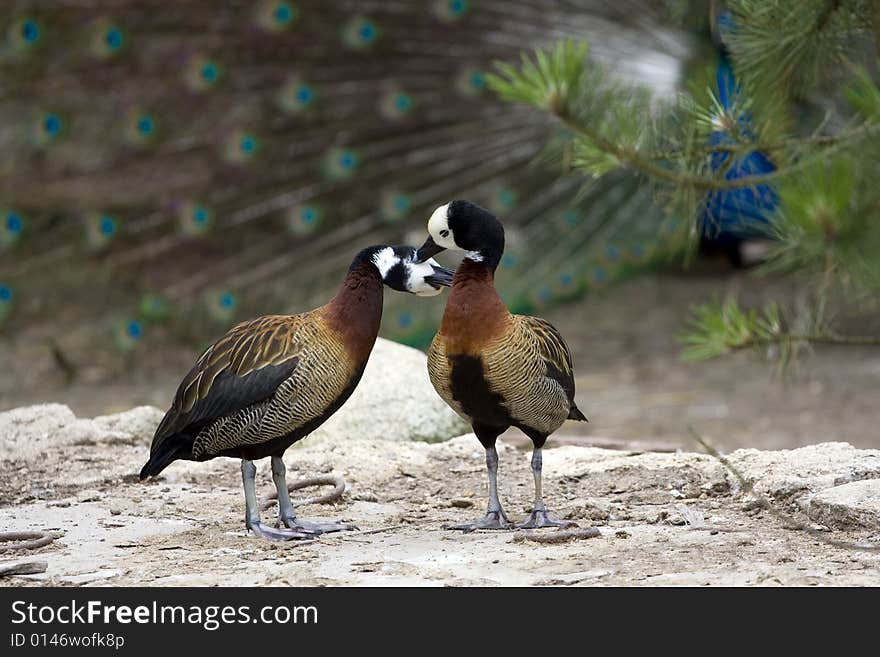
x,y
356,310
474,312
488,256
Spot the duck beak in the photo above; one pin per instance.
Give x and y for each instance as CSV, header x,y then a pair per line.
x,y
428,250
441,277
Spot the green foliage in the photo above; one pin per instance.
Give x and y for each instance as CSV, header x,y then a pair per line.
x,y
718,328
827,224
547,80
791,47
863,95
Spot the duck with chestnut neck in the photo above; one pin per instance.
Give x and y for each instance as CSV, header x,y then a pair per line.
x,y
495,369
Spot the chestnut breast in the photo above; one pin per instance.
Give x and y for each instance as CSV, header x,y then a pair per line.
x,y
474,323
475,316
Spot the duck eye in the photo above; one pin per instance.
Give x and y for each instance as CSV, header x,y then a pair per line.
x,y
444,233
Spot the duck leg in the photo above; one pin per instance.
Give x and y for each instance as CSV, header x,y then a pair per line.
x,y
540,517
252,510
495,517
286,514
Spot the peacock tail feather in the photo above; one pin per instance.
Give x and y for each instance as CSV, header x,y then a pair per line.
x,y
180,165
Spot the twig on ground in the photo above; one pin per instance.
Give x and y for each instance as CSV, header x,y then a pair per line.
x,y
354,535
25,540
560,536
764,502
23,568
336,481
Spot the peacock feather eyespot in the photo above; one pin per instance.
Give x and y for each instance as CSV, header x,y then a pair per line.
x,y
145,125
6,298
154,307
24,34
202,73
395,205
295,95
509,261
502,200
127,333
542,297
637,254
395,104
275,16
450,10
140,127
100,230
571,218
360,33
195,219
566,284
241,147
107,39
222,305
12,228
403,324
612,254
470,82
340,163
598,276
49,127
303,220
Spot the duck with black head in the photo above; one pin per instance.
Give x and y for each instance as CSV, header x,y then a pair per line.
x,y
271,381
495,369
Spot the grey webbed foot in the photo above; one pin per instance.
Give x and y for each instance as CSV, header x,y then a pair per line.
x,y
541,518
272,534
492,520
315,528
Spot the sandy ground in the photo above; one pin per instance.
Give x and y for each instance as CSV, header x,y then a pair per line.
x,y
186,527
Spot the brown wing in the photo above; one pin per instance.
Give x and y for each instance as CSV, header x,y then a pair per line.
x,y
530,367
244,367
554,351
440,373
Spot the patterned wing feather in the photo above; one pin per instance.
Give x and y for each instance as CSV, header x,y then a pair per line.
x,y
554,351
530,366
244,367
440,373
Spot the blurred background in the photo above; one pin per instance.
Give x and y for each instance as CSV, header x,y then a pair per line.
x,y
168,168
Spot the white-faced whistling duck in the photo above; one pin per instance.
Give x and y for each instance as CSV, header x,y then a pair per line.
x,y
271,381
495,369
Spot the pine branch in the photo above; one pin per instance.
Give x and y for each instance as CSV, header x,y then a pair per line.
x,y
718,329
815,338
646,163
793,144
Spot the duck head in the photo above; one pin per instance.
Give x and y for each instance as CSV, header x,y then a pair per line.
x,y
464,226
399,270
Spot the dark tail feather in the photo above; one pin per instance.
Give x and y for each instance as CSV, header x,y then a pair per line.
x,y
160,460
575,414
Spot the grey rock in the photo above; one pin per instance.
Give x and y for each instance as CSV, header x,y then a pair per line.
x,y
856,504
395,401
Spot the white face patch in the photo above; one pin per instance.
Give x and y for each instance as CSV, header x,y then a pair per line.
x,y
438,228
415,278
385,260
